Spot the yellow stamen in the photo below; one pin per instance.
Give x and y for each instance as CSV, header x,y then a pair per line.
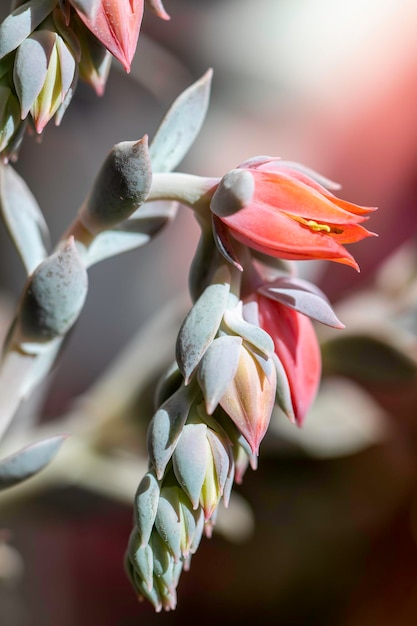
x,y
318,227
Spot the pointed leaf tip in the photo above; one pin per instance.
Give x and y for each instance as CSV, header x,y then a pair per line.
x,y
181,125
23,464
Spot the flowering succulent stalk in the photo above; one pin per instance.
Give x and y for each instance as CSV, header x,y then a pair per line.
x,y
246,346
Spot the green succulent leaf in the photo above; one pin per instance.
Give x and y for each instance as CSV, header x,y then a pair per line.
x,y
200,327
181,125
22,22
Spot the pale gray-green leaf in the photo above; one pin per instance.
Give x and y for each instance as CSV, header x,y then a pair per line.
x,y
23,218
28,461
181,125
138,230
200,327
54,295
22,22
167,520
31,67
217,368
146,506
190,460
166,426
257,337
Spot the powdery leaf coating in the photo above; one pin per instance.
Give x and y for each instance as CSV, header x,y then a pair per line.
x,y
200,327
54,295
22,22
166,427
190,460
217,368
120,188
146,506
181,125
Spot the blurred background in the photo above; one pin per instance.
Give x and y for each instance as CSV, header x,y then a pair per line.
x,y
331,513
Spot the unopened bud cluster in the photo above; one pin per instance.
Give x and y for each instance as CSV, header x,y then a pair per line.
x,y
47,45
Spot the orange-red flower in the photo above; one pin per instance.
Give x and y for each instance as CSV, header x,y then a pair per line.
x,y
297,348
116,25
291,215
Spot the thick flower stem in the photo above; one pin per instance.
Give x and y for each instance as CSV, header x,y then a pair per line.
x,y
193,191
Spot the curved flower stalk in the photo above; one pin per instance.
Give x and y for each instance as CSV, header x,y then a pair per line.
x,y
247,344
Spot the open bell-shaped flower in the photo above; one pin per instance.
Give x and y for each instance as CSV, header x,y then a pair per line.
x,y
286,212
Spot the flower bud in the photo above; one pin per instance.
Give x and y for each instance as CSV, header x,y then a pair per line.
x,y
250,397
116,25
44,71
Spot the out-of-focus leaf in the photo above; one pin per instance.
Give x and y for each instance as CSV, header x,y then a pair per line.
x,y
138,230
180,126
54,296
368,359
20,372
23,218
29,461
343,420
158,8
22,22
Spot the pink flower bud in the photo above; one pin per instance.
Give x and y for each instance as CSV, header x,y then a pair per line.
x,y
297,347
249,398
116,25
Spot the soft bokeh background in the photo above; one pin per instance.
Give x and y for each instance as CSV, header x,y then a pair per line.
x,y
328,83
